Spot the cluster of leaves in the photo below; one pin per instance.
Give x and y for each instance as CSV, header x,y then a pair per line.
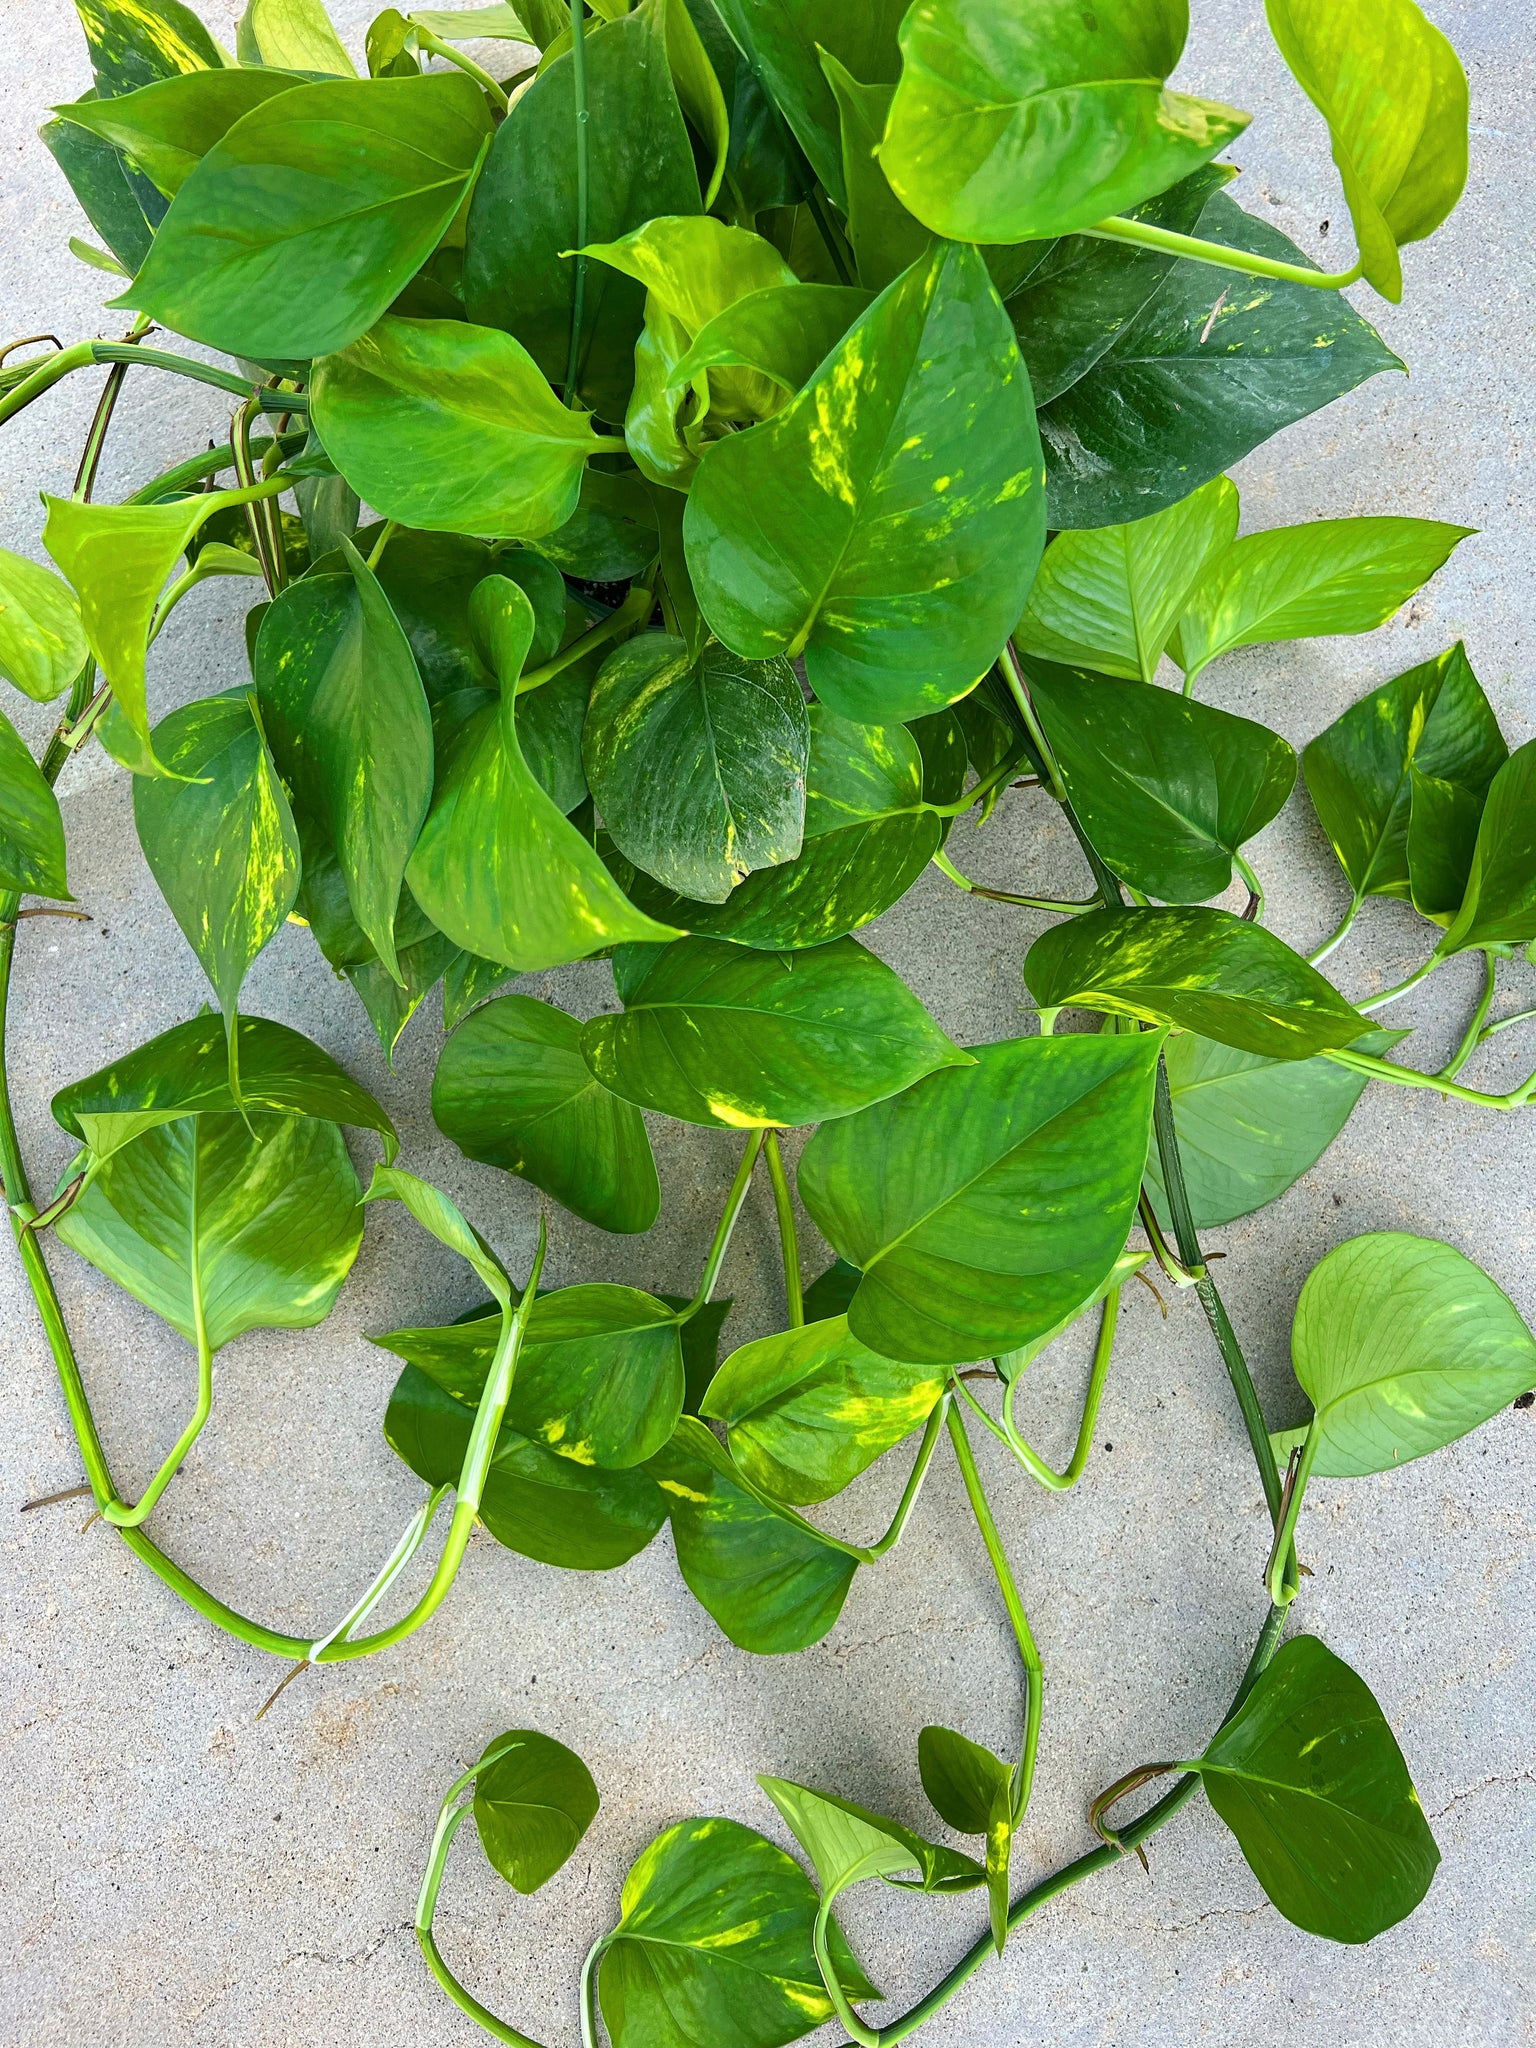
x,y
717,380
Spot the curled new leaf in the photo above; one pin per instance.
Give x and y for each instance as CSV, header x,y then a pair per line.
x,y
31,826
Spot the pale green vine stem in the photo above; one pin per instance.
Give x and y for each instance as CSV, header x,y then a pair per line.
x,y
436,47
579,279
722,1238
1474,1034
789,1237
1146,236
1060,1482
122,1517
1410,1077
1338,935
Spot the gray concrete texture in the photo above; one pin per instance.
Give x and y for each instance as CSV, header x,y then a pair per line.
x,y
178,1873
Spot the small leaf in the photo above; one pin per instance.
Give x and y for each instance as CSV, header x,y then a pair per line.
x,y
511,1088
973,1790
611,535
534,1800
1499,907
1199,970
294,35
42,644
133,42
848,1843
785,332
1308,1776
31,825
1403,1345
442,1220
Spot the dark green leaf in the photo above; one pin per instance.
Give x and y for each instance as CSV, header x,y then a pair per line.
x,y
534,1800
511,1088
550,723
830,1293
1166,789
31,827
168,127
808,1410
222,844
700,1335
1200,970
784,331
392,1004
1499,907
296,231
887,527
724,1035
347,721
764,165
698,766
612,533
884,236
1206,371
715,1945
134,42
1403,1345
523,219
985,1203
769,1582
1308,1776
114,199
848,1843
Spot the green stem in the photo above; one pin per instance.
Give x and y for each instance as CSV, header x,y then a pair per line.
x,y
1473,1036
1033,1463
1029,1654
1254,914
789,1238
1013,676
266,530
1066,908
858,2030
130,1518
1410,1077
1390,995
727,1223
197,468
425,40
106,405
1281,1577
1504,1023
387,533
1146,236
84,353
634,611
583,174
827,229
1339,934
977,793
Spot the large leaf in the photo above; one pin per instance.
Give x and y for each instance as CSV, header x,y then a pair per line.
x,y
167,128
1166,789
453,428
1499,907
848,1843
985,1203
296,230
769,1582
715,1945
810,1409
31,826
698,766
42,644
724,1035
1308,1776
868,836
134,42
347,721
224,1223
534,1800
185,1072
886,523
294,35
1107,597
1297,582
221,844
1200,970
1036,121
1394,95
523,219
1403,1345
1372,774
1210,367
498,867
535,1502
511,1088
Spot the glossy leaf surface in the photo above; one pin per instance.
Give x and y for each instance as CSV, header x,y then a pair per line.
x,y
1200,970
1500,902
973,1790
848,1843
810,1409
31,826
133,42
534,1800
294,35
1403,1345
42,644
114,198
983,1204
169,127
698,765
1308,1776
784,331
511,1088
886,526
885,238
724,1035
296,231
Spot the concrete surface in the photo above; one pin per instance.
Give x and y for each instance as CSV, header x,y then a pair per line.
x,y
178,1874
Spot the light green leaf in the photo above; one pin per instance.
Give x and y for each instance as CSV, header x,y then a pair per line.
x,y
723,1035
348,723
1403,1345
1199,970
31,826
294,35
973,1790
496,22
984,1204
534,1800
848,1843
1499,907
1039,121
169,127
698,765
1107,597
784,331
1295,582
134,42
1394,95
438,1216
337,192
221,844
887,525
453,428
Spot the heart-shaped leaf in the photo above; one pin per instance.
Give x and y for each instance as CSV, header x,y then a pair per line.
x,y
42,644
1200,970
1039,121
1308,1776
342,190
534,1800
1403,1345
512,1088
294,35
887,525
1166,789
698,765
985,1203
724,1035
973,1790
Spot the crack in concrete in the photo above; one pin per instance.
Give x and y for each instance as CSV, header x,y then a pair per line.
x,y
1485,1785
